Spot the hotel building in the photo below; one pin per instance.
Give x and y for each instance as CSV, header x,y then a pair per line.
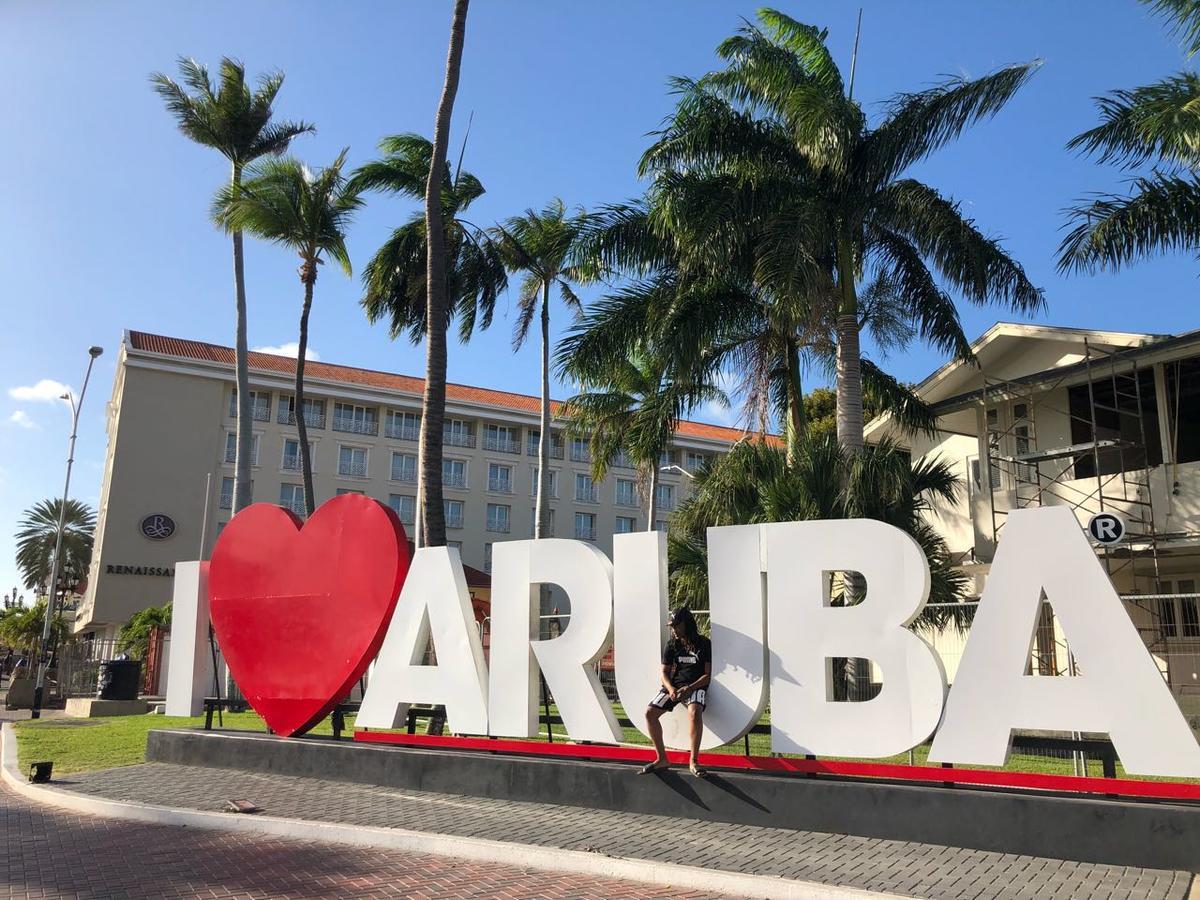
x,y
168,475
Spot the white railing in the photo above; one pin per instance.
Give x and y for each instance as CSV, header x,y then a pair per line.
x,y
500,444
458,439
454,479
355,426
296,506
500,485
353,469
291,462
587,495
500,525
454,520
409,476
402,431
583,533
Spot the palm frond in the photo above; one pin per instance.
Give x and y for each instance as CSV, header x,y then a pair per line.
x,y
1159,121
1183,17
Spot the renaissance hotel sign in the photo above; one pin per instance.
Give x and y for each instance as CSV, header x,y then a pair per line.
x,y
301,612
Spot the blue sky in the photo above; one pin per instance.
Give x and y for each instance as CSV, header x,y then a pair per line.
x,y
105,227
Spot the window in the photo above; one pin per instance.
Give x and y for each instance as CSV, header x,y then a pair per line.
x,y
404,467
291,455
498,517
1119,419
453,510
625,525
585,491
533,483
314,412
226,501
660,525
500,438
580,451
585,527
1183,407
626,492
666,497
341,491
402,426
260,405
352,461
455,545
457,433
693,462
355,419
404,506
499,478
231,448
291,496
622,461
533,438
666,458
533,522
487,558
454,473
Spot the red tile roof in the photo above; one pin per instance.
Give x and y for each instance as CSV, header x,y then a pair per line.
x,y
286,365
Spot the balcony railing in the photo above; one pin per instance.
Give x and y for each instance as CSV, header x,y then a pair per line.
x,y
629,501
500,444
585,533
454,479
531,449
458,439
454,520
587,495
291,462
500,485
230,454
353,469
356,426
313,418
622,461
402,431
580,454
665,504
552,493
408,476
296,506
500,525
226,501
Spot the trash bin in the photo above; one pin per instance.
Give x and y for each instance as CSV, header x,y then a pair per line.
x,y
119,679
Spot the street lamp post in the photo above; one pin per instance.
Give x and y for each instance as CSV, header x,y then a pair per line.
x,y
44,660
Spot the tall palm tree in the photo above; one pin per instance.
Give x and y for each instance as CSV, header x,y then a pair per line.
x,y
394,280
1157,124
543,245
287,203
36,535
778,137
234,120
633,408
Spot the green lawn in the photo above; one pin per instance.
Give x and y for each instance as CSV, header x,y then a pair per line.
x,y
80,745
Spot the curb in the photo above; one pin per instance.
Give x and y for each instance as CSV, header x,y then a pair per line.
x,y
474,849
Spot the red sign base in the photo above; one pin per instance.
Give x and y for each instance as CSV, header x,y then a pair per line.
x,y
1117,787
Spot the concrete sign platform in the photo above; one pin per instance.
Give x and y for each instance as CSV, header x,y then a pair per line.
x,y
1122,832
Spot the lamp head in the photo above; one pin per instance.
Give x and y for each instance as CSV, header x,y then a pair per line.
x,y
95,351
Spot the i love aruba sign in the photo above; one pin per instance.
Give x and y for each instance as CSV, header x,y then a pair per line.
x,y
302,610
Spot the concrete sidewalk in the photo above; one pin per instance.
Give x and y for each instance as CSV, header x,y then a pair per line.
x,y
802,862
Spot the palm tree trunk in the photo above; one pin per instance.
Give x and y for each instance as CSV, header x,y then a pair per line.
x,y
797,424
849,357
652,500
433,417
245,435
310,276
542,525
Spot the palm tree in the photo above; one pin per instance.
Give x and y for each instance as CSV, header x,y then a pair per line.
x,y
236,122
633,408
36,535
543,245
394,280
776,138
753,484
22,628
1159,124
287,203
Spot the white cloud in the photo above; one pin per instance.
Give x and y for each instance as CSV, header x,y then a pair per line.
x,y
20,418
46,391
291,348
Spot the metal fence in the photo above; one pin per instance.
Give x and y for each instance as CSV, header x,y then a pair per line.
x,y
78,671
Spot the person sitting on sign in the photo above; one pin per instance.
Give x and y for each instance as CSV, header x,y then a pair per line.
x,y
686,671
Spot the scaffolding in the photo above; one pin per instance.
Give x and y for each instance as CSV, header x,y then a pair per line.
x,y
1109,472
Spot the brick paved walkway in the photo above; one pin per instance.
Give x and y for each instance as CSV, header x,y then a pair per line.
x,y
923,870
48,853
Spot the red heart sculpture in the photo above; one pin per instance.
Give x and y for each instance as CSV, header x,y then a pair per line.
x,y
301,608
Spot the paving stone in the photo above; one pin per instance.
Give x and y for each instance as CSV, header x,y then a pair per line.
x,y
870,863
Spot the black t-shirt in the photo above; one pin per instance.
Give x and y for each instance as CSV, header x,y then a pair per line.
x,y
687,665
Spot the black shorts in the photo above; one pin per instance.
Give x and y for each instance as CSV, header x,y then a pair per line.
x,y
664,702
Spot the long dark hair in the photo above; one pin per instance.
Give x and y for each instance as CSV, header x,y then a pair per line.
x,y
685,623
